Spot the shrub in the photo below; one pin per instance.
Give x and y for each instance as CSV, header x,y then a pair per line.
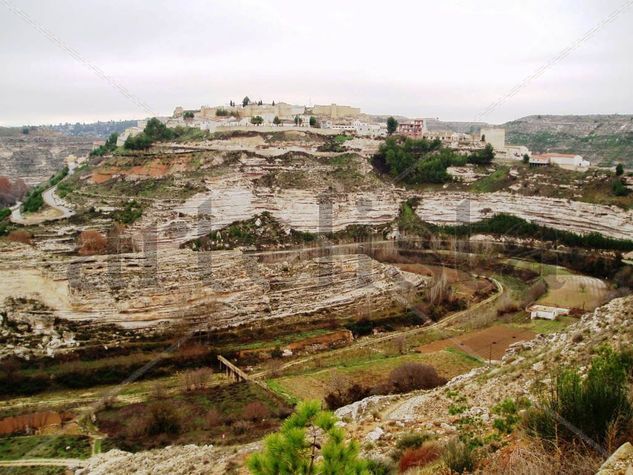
x,y
482,157
92,242
618,188
163,418
413,440
213,418
419,457
34,201
596,405
255,411
508,410
276,352
291,451
130,212
20,235
196,379
411,376
362,327
380,467
458,456
241,427
341,398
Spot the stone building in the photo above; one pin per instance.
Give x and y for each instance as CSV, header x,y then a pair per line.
x,y
334,111
416,128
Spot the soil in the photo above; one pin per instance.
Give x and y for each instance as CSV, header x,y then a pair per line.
x,y
489,343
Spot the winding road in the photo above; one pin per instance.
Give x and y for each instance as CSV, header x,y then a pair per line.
x,y
58,210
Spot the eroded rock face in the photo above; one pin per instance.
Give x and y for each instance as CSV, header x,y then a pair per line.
x,y
575,216
212,289
35,157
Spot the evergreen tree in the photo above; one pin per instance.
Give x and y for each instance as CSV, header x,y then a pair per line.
x,y
308,443
246,101
619,169
392,125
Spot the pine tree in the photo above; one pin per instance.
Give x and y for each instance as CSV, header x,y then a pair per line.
x,y
308,443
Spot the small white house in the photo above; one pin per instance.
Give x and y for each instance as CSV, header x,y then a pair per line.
x,y
546,312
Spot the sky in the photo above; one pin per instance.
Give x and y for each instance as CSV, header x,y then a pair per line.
x,y
82,61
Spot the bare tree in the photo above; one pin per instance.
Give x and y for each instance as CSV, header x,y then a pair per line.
x,y
196,379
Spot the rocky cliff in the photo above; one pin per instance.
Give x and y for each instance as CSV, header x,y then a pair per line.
x,y
35,156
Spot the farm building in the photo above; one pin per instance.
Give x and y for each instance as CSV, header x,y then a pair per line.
x,y
546,312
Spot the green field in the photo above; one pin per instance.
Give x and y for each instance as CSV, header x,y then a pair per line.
x,y
44,446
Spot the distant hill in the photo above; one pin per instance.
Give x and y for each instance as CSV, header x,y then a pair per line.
x,y
603,139
95,129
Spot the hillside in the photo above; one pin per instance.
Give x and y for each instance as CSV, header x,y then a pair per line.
x,y
37,155
603,139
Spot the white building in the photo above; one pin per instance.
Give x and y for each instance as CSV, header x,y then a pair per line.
x,y
563,160
495,137
546,312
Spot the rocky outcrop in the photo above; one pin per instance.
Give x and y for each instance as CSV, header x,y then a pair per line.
x,y
35,157
524,365
173,460
620,462
568,215
212,289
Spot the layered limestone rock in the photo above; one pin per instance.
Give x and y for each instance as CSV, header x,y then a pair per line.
x,y
575,216
36,156
231,199
210,289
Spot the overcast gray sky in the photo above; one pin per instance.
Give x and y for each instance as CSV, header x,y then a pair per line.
x,y
449,59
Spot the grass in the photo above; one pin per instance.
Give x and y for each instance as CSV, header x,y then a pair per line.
x,y
542,269
540,325
44,446
127,428
33,471
370,370
574,291
493,182
281,341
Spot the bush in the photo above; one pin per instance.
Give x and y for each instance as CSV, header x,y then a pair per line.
x,y
20,235
92,242
130,212
416,161
482,157
458,456
362,327
411,376
241,427
380,467
34,201
213,419
595,405
354,393
255,411
419,457
196,379
412,440
163,418
137,142
619,189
